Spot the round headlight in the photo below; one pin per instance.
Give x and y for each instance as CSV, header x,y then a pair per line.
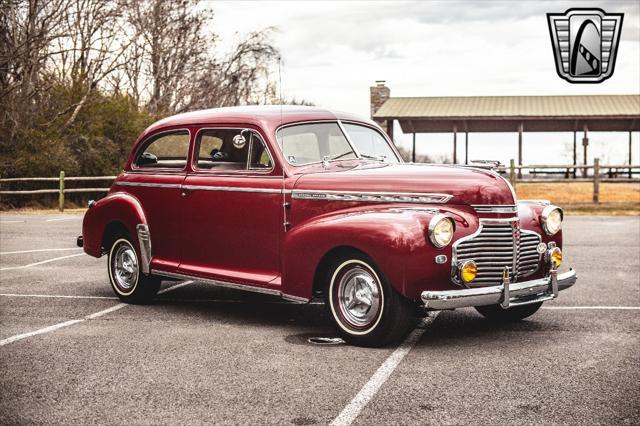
x,y
551,219
441,230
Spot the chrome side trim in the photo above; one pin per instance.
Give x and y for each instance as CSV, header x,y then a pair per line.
x,y
230,189
235,286
491,208
144,239
540,202
373,197
292,298
149,184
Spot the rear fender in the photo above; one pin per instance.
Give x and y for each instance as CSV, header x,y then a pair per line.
x,y
116,208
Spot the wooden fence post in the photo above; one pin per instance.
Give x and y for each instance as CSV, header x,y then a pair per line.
x,y
61,192
512,173
596,180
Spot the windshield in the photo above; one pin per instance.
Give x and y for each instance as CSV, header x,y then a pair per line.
x,y
370,143
309,143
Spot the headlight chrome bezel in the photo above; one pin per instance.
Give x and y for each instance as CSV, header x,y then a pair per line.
x,y
544,219
433,223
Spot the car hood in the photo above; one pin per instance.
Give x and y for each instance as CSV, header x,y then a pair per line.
x,y
466,185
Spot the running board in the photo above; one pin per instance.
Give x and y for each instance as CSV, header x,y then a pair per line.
x,y
235,286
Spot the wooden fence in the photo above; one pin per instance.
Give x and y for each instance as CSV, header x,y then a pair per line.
x,y
61,189
569,173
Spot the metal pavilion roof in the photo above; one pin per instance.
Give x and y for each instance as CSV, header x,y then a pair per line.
x,y
506,113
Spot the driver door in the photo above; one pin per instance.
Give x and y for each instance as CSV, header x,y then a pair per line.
x,y
233,200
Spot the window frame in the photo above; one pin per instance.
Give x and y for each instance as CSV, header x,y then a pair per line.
x,y
152,138
248,171
384,137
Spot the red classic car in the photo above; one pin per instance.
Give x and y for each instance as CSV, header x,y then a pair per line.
x,y
304,203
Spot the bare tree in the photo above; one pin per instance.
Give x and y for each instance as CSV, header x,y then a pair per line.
x,y
95,47
245,77
28,29
174,44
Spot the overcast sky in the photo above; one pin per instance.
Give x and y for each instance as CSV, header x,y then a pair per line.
x,y
333,51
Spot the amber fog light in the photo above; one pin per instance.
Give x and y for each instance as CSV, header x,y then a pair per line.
x,y
467,271
555,257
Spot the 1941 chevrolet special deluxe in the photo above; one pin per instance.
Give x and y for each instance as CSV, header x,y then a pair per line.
x,y
304,203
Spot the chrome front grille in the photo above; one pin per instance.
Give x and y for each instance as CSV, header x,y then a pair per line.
x,y
494,247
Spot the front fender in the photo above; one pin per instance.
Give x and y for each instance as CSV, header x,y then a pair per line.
x,y
394,237
117,207
529,213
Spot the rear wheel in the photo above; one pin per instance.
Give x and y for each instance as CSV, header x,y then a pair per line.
x,y
517,313
127,280
365,307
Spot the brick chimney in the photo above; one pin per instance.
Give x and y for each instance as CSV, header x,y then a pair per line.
x,y
379,94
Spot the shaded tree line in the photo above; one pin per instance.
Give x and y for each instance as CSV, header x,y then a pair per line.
x,y
79,79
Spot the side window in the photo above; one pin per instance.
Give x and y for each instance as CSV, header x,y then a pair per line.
x,y
168,150
231,149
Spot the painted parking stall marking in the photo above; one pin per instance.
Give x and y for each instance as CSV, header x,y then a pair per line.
x,y
11,268
77,321
39,250
369,390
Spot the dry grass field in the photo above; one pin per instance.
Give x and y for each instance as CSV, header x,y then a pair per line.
x,y
576,197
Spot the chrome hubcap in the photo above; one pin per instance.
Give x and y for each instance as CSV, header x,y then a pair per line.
x,y
125,267
359,297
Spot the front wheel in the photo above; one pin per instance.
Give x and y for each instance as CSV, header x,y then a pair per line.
x,y
127,280
365,307
517,313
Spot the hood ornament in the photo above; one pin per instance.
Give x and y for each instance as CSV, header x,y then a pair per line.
x,y
486,164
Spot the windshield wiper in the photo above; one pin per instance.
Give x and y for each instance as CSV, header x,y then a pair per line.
x,y
335,157
373,157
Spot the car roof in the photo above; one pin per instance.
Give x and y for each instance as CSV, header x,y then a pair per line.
x,y
269,117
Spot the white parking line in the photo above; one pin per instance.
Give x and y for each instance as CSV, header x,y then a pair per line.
x,y
40,250
72,322
57,296
41,331
622,308
64,218
10,268
2,222
369,390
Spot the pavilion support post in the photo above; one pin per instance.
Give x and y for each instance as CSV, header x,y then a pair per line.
x,y
390,129
596,180
520,130
575,153
466,147
630,156
585,144
455,145
413,149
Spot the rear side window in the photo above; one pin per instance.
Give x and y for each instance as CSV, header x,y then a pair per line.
x,y
168,150
231,149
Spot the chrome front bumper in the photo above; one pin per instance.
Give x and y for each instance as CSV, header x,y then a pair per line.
x,y
506,294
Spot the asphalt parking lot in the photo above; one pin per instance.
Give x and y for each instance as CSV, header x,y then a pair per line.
x,y
71,353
